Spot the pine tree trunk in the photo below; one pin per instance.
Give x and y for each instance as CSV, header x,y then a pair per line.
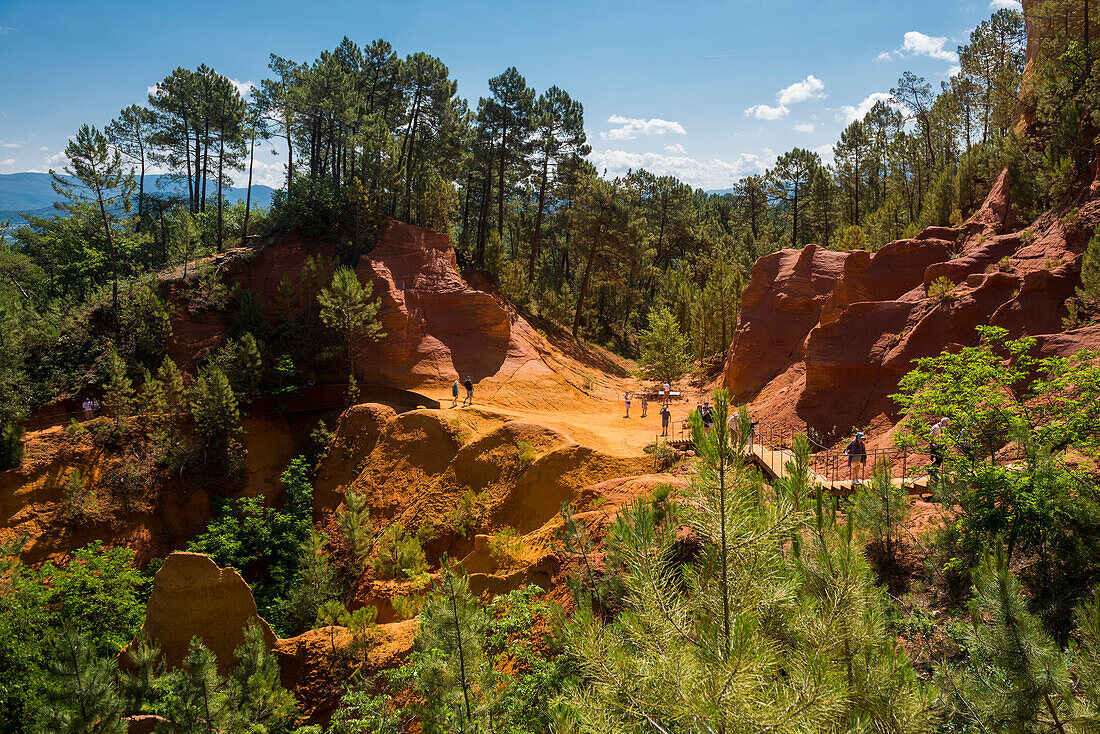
x,y
500,183
584,281
248,191
538,218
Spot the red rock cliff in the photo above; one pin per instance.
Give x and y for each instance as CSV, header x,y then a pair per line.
x,y
824,337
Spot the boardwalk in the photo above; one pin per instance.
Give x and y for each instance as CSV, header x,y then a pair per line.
x,y
773,463
770,452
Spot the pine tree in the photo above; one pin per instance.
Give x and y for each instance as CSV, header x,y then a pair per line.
x,y
217,417
455,676
95,175
254,685
664,348
316,583
354,520
1017,678
880,509
347,309
118,395
745,635
143,675
197,700
81,695
130,134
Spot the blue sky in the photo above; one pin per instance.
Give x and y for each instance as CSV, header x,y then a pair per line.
x,y
707,91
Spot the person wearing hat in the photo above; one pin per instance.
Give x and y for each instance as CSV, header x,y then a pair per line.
x,y
857,458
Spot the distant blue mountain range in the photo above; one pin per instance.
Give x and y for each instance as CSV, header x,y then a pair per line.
x,y
31,193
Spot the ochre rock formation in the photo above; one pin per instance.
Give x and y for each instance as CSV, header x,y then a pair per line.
x,y
308,670
129,501
438,327
824,337
193,597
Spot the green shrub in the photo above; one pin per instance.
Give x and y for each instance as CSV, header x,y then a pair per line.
x,y
525,454
940,290
398,554
506,545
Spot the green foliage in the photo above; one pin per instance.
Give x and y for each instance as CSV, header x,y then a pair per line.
x,y
525,454
1016,678
506,546
314,585
81,695
264,543
94,605
354,520
398,554
664,349
880,510
347,309
81,503
853,239
998,395
255,689
1090,273
796,638
217,417
940,290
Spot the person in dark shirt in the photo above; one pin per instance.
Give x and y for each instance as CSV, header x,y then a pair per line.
x,y
469,383
857,458
665,416
707,416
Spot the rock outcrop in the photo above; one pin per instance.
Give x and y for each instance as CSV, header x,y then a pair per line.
x,y
193,597
438,327
824,337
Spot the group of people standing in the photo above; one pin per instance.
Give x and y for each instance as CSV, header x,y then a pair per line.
x,y
665,396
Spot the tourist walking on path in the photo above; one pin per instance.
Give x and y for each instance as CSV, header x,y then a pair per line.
x,y
665,415
469,383
454,394
935,448
667,390
707,416
857,458
645,404
626,399
88,409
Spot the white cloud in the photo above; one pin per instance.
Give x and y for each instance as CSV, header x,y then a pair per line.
x,y
1006,5
57,160
825,152
850,114
243,88
44,148
764,112
706,174
804,127
632,127
954,70
7,162
884,56
809,88
152,90
6,30
920,44
11,145
677,149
